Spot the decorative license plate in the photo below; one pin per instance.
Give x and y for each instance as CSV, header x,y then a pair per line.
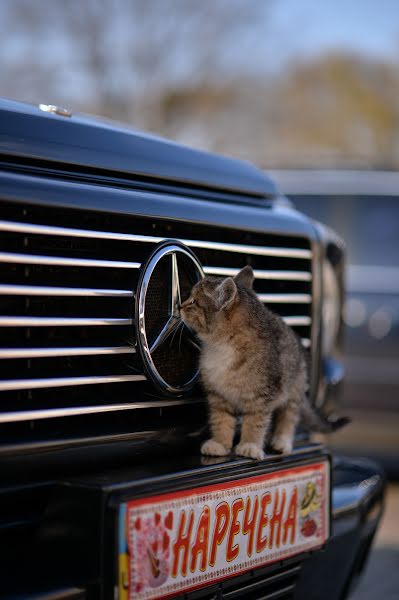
x,y
184,540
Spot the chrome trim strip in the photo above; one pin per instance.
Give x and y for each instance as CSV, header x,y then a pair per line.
x,y
12,321
261,274
248,249
286,298
50,352
52,413
41,290
315,329
297,321
33,384
108,235
63,261
18,227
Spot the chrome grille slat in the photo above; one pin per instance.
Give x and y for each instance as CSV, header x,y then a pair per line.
x,y
13,353
83,334
12,321
17,227
41,290
262,274
13,226
63,261
53,413
54,382
286,298
298,321
248,249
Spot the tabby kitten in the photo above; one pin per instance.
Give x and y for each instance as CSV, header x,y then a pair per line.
x,y
252,364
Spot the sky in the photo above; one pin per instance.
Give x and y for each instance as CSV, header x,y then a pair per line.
x,y
312,27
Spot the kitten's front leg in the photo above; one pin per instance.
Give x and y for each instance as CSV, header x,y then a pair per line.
x,y
286,421
255,425
222,424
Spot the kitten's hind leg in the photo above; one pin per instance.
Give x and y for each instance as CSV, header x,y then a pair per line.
x,y
253,432
222,424
286,421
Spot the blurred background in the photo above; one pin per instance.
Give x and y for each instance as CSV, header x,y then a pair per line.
x,y
293,83
305,89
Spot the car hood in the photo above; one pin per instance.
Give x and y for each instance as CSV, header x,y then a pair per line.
x,y
29,132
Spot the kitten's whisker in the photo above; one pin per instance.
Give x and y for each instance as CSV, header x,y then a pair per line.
x,y
181,332
174,333
171,331
177,329
131,367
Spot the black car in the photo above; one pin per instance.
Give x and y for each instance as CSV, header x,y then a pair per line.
x,y
103,491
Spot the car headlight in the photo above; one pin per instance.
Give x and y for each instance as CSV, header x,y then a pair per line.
x,y
331,309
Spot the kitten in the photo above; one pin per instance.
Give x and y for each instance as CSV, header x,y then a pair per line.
x,y
251,364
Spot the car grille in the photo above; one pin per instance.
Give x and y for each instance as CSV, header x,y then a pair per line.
x,y
67,289
268,583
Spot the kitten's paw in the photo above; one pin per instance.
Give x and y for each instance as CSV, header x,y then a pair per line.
x,y
249,450
213,448
282,444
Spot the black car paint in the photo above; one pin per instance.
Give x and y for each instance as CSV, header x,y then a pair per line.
x,y
26,131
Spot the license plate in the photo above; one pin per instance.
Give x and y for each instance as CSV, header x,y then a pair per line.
x,y
180,541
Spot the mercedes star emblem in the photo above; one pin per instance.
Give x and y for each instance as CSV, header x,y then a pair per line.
x,y
169,349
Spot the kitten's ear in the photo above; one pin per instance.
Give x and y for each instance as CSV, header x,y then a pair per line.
x,y
226,293
245,277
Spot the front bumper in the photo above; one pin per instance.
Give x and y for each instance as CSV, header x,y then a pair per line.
x,y
73,554
357,506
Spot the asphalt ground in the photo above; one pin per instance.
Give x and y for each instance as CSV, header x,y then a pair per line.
x,y
380,580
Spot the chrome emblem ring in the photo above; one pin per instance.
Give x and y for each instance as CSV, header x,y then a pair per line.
x,y
168,348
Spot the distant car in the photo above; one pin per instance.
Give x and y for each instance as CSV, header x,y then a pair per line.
x,y
363,207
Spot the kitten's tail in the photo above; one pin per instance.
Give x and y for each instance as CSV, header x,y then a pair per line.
x,y
315,421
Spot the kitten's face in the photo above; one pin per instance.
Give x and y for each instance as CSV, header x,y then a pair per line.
x,y
211,302
206,308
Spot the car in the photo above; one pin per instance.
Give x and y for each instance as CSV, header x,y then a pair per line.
x,y
103,491
363,206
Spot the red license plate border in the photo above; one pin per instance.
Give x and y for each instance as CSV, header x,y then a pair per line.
x,y
227,481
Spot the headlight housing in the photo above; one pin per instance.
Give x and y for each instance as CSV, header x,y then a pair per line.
x,y
331,308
